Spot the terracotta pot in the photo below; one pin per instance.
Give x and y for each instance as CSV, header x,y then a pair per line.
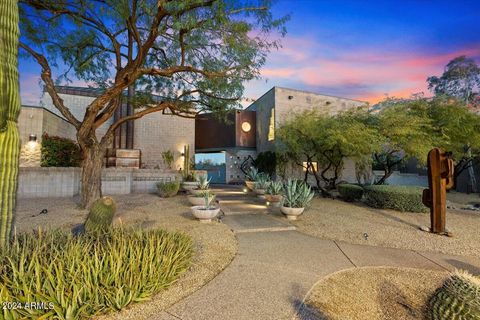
x,y
203,214
250,184
273,197
199,201
190,185
291,213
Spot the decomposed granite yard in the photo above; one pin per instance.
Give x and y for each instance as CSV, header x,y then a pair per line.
x,y
215,244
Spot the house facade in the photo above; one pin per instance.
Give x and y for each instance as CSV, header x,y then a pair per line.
x,y
225,146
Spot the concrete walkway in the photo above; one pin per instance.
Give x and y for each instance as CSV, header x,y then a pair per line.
x,y
276,266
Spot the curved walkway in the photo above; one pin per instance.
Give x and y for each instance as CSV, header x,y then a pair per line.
x,y
276,266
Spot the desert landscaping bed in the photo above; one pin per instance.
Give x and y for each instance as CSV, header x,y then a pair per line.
x,y
214,243
350,222
372,293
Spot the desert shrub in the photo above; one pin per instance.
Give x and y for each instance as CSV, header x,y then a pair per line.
x,y
403,198
350,192
266,162
81,276
59,152
168,189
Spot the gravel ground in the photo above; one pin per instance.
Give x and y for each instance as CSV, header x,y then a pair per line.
x,y
373,293
343,221
215,244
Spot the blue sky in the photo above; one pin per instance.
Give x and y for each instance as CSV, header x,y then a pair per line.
x,y
357,49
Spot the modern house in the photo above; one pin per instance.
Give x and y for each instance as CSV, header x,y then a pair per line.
x,y
227,144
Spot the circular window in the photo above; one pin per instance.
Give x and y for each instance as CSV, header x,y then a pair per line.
x,y
246,127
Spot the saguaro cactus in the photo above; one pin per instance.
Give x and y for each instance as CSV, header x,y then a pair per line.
x,y
9,110
440,178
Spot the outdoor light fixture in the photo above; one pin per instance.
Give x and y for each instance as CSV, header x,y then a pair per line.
x,y
246,127
245,190
32,138
268,203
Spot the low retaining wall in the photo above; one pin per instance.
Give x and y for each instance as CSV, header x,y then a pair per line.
x,y
404,179
42,182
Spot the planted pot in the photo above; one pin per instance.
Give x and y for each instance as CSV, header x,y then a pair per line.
x,y
203,214
199,201
196,191
190,185
274,199
259,191
291,213
250,184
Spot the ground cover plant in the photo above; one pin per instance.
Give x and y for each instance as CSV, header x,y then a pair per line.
x,y
78,277
403,198
168,189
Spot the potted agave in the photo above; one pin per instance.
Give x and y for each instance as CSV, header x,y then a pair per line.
x,y
297,196
199,198
273,193
261,184
252,175
203,185
207,211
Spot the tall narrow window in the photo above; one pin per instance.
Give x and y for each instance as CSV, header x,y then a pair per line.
x,y
271,126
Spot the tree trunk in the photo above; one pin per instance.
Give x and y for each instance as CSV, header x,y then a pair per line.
x,y
9,110
387,172
91,187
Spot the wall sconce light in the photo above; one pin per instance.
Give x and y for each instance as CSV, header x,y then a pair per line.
x,y
182,154
246,127
32,138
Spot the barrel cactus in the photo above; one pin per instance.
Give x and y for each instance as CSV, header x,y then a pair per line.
x,y
100,217
457,299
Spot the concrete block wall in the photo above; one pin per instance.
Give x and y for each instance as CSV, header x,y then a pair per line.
x,y
233,162
157,132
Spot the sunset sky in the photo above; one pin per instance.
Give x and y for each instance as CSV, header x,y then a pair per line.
x,y
356,49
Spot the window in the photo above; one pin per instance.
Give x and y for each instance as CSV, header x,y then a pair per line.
x,y
271,126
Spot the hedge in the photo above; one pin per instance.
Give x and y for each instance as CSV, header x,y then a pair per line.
x,y
402,198
350,192
60,152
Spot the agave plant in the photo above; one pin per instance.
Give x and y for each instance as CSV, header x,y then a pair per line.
x,y
204,182
252,174
274,188
207,195
262,182
297,194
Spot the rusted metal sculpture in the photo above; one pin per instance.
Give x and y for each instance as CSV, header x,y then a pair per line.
x,y
440,179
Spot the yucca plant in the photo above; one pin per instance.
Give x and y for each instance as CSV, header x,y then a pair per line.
x,y
86,275
298,194
274,188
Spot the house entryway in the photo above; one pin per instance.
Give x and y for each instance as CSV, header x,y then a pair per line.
x,y
215,165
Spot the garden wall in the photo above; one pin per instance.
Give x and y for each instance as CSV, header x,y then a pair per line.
x,y
65,182
404,179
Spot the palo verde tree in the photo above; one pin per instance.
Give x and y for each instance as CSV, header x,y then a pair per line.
x,y
196,54
320,143
457,129
9,110
406,132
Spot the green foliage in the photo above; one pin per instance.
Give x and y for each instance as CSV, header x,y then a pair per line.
x,y
100,217
461,80
274,188
9,110
266,162
298,194
457,299
312,136
252,174
168,158
203,182
168,189
90,274
60,152
402,198
350,192
262,181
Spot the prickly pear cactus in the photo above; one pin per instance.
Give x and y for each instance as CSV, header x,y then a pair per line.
x,y
100,217
457,299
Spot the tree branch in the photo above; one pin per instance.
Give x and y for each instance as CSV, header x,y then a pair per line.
x,y
46,76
